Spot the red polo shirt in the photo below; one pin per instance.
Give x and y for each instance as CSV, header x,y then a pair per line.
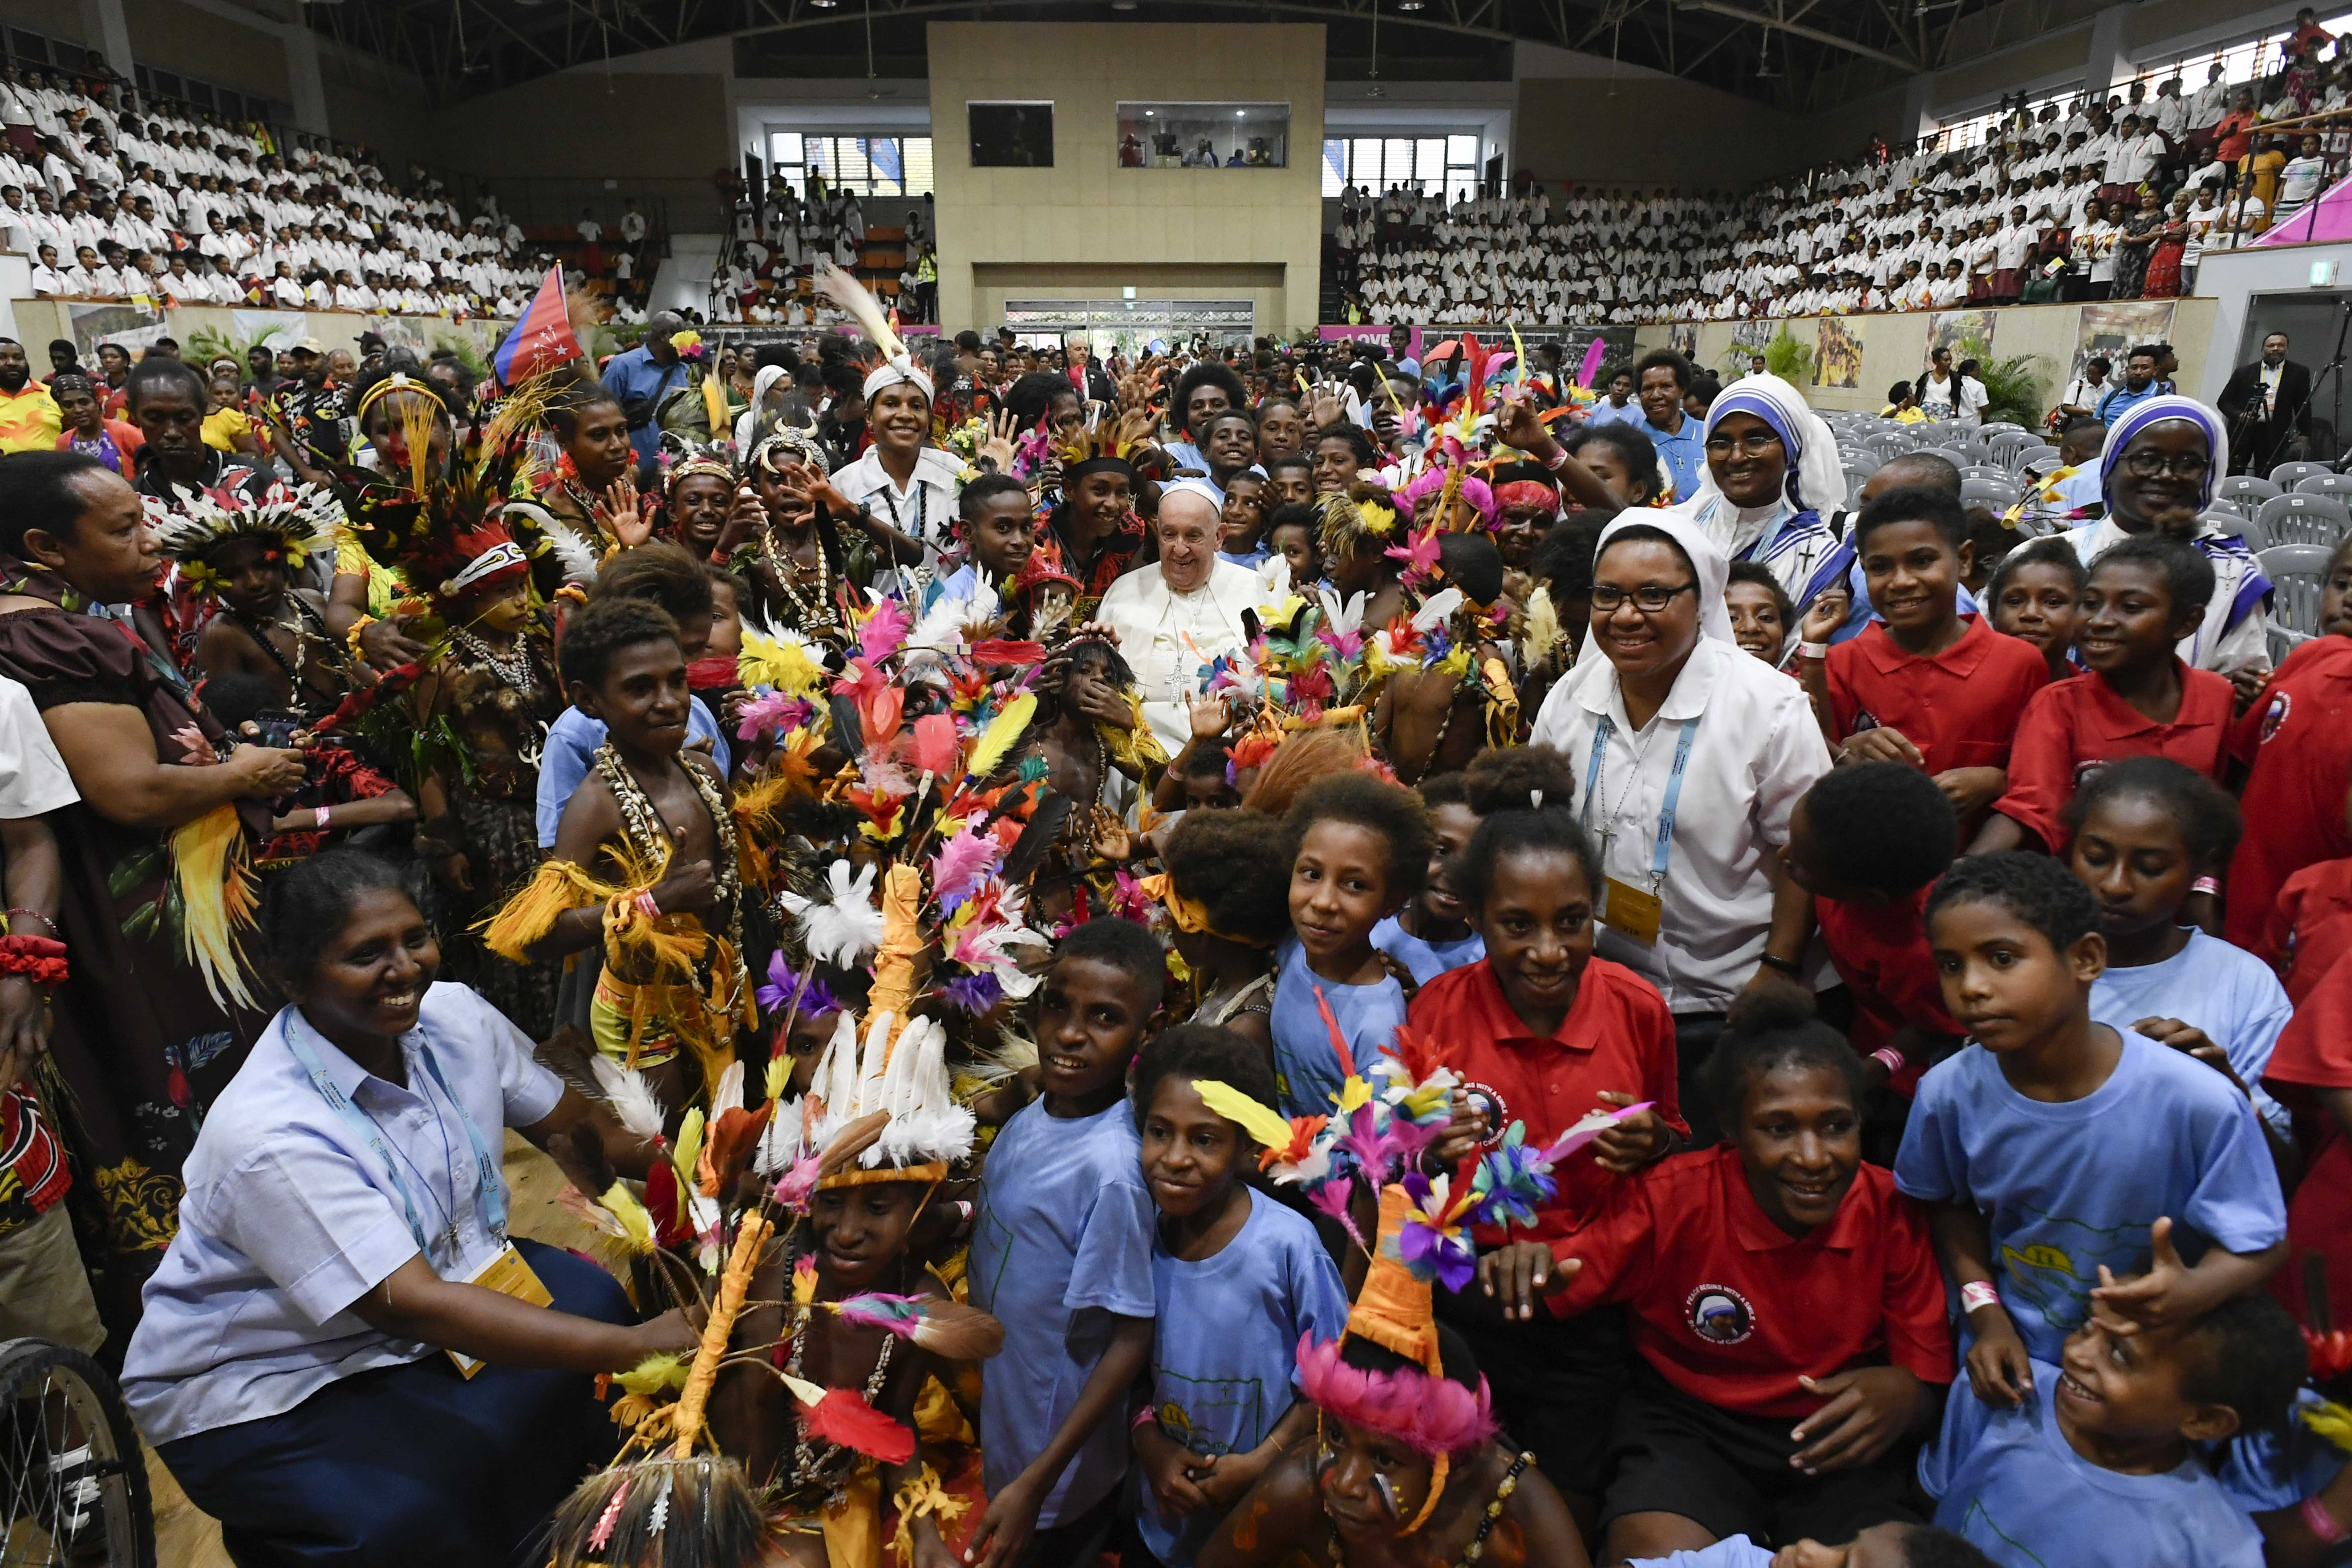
x,y
1732,1310
1618,1036
2297,739
1882,954
2074,727
2310,927
1958,707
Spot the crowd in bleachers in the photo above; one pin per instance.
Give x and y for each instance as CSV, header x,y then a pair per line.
x,y
116,195
2113,199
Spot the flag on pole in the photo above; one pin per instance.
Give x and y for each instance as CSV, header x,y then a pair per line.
x,y
541,339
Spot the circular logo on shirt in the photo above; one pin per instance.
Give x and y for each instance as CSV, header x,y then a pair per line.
x,y
1718,1314
2282,703
1488,1102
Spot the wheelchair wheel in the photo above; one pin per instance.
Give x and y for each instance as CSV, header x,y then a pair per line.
x,y
73,1481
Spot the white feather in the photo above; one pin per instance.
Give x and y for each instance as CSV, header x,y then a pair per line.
x,y
864,309
631,1098
728,1093
1442,604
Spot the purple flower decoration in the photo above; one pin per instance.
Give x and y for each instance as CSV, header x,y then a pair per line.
x,y
776,998
974,993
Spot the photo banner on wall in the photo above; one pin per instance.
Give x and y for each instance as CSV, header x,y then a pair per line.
x,y
2113,327
125,325
270,329
1968,333
1837,353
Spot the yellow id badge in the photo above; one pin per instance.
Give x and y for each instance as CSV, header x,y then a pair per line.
x,y
1630,913
509,1275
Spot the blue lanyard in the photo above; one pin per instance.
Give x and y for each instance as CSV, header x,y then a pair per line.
x,y
1600,735
491,1185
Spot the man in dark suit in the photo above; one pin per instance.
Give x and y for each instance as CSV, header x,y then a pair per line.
x,y
1084,373
2266,407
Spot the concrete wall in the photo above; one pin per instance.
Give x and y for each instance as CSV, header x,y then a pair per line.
x,y
2269,287
207,45
1020,231
1658,131
1894,347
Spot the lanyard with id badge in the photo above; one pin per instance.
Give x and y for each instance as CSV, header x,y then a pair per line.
x,y
1632,912
506,1273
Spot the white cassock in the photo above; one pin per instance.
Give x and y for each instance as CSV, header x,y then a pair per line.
x,y
1166,637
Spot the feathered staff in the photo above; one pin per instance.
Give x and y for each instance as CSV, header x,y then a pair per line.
x,y
866,310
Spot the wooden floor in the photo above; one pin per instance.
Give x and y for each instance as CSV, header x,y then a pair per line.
x,y
187,1538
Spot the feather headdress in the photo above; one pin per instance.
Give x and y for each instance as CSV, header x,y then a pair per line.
x,y
897,366
904,1079
292,521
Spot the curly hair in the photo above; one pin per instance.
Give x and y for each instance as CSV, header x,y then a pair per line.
x,y
2187,575
1882,826
1522,830
1191,1051
2037,889
2246,1353
1124,945
1357,438
1769,1030
1207,372
305,906
1236,863
603,627
2055,552
659,574
1634,449
1507,778
1377,806
2208,820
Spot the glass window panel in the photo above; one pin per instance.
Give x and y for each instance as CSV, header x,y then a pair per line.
x,y
1429,159
918,166
1396,160
1462,151
784,148
1335,167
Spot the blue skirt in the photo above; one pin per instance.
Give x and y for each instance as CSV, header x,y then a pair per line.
x,y
412,1466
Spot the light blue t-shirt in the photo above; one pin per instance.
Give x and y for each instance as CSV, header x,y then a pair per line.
x,y
2010,1482
1061,1244
1684,453
2073,1186
1733,1551
2266,1471
1224,1355
1607,413
572,742
1305,1067
2224,990
1426,959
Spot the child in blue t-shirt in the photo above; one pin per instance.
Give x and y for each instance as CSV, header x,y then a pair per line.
x,y
1892,1545
1433,933
1238,1280
2097,1467
1061,1254
2140,833
2059,1150
1359,848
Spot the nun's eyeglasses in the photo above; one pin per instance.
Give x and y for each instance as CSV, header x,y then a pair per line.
x,y
1649,598
2147,462
1755,443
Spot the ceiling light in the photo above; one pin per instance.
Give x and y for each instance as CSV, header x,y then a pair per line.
x,y
1238,114
825,5
1408,4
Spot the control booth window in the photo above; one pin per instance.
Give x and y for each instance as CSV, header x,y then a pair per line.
x,y
1011,135
1204,135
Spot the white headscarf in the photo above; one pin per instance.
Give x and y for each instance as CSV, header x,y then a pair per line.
x,y
1709,564
765,377
1816,480
898,372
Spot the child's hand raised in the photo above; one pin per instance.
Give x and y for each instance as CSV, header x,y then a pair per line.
x,y
1999,1367
1827,616
1869,1408
1209,717
1519,1272
1626,1146
2161,1296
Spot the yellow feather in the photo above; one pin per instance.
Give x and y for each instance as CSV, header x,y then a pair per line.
x,y
1265,1125
623,1205
787,666
1354,1093
780,1075
217,899
653,1375
527,918
998,738
2329,1420
1541,628
690,1146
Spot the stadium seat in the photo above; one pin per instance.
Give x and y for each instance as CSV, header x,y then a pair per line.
x,y
2315,520
2297,572
2258,538
2287,475
1998,494
2238,485
2323,483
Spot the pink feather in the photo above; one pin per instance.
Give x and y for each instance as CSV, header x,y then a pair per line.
x,y
842,1417
878,1310
963,861
793,1188
883,630
1578,1136
1332,1198
938,750
1431,1415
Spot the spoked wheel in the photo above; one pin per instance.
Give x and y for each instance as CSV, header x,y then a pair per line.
x,y
73,1482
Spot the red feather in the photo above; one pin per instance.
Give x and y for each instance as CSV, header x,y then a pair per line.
x,y
842,1417
1417,1053
1339,1036
938,752
667,1205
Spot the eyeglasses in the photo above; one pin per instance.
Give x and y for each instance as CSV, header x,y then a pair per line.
x,y
1754,445
2147,462
1649,598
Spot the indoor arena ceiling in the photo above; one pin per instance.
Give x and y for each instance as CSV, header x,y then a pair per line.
x,y
1800,54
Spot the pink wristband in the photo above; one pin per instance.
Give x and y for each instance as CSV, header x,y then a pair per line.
x,y
1892,1059
1978,1293
2206,885
2322,1522
1558,460
645,903
323,813
1144,1418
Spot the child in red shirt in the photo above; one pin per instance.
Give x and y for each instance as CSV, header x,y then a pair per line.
x,y
2035,595
1868,841
1541,1033
2296,741
1786,1301
2310,928
1925,686
2310,1073
2139,699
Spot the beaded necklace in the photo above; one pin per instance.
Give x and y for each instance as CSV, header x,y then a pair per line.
x,y
812,619
830,1465
643,824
